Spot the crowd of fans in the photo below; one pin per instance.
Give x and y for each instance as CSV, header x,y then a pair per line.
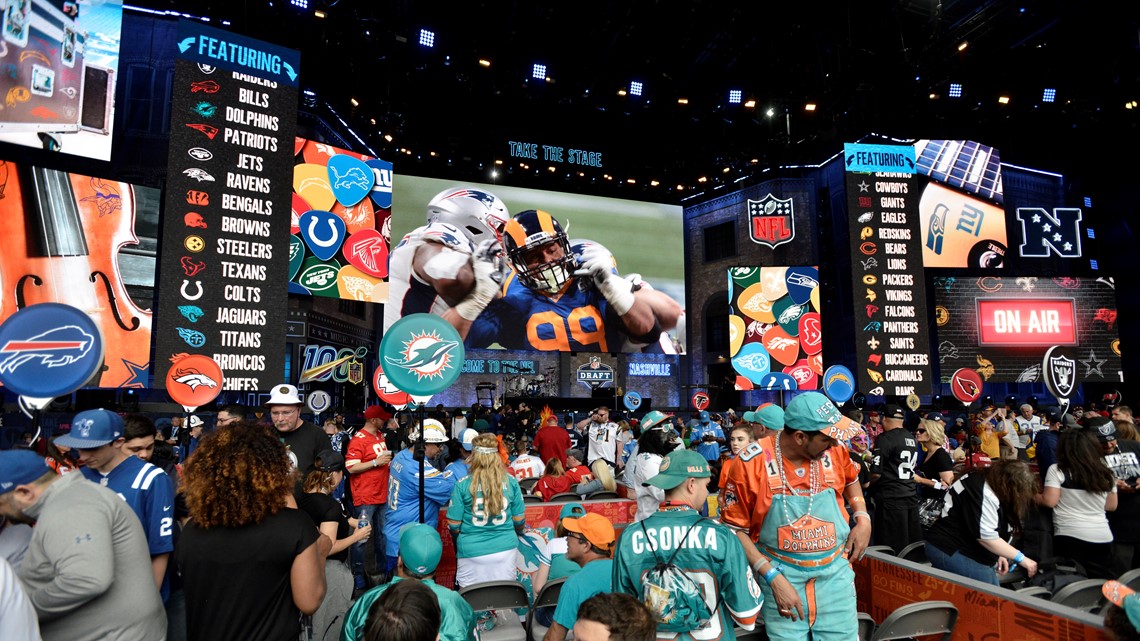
x,y
282,529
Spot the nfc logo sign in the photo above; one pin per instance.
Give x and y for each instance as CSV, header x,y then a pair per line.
x,y
1043,233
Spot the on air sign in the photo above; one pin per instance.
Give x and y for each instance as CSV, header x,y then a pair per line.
x,y
1026,322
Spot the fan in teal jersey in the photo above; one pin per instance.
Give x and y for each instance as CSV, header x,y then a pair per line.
x,y
486,517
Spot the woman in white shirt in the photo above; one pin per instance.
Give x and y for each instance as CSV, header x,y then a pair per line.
x,y
657,440
1080,488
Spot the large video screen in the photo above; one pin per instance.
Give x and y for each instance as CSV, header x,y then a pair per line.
x,y
1003,327
85,242
60,61
960,202
552,308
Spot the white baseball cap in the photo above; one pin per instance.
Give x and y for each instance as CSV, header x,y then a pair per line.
x,y
467,438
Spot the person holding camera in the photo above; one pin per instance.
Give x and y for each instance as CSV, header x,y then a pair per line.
x,y
601,434
707,437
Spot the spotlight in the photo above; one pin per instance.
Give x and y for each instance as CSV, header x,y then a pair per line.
x,y
483,62
635,88
1003,100
427,38
538,72
1049,95
300,4
682,101
771,112
735,96
809,106
955,90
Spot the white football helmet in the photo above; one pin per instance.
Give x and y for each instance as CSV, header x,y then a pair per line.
x,y
478,214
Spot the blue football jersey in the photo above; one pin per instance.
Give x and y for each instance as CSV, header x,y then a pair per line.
x,y
404,496
149,492
574,320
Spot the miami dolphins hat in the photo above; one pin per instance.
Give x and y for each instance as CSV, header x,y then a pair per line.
x,y
1125,597
91,429
770,416
20,467
679,466
420,548
572,510
814,412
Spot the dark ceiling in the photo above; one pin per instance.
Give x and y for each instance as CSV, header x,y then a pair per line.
x,y
871,67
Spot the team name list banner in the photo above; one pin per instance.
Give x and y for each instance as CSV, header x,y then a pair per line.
x,y
892,339
225,242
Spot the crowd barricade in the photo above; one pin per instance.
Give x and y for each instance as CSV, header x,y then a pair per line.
x,y
884,582
541,519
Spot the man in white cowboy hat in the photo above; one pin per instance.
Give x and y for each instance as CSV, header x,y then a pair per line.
x,y
303,439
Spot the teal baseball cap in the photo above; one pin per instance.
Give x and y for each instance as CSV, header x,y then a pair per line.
x,y
420,548
677,467
770,416
814,412
573,510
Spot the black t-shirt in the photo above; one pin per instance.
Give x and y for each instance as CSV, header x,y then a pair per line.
x,y
895,456
305,443
237,579
932,467
322,508
973,511
1125,464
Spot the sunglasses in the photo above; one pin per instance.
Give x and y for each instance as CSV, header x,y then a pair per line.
x,y
579,538
920,431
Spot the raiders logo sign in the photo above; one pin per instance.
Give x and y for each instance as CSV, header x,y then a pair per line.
x,y
771,221
1060,371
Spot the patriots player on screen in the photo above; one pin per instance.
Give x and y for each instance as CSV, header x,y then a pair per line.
x,y
434,268
567,296
404,487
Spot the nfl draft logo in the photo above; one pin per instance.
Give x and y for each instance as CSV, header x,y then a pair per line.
x,y
771,221
595,373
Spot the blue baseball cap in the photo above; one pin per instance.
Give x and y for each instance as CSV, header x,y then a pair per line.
x,y
420,548
92,428
19,467
704,416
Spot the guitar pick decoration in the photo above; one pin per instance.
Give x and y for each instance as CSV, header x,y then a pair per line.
x,y
752,361
367,251
381,192
800,282
354,284
773,282
805,375
317,275
296,256
359,216
784,348
311,182
324,232
298,207
778,381
811,333
351,180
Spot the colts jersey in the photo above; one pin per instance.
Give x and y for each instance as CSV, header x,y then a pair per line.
x,y
407,293
571,320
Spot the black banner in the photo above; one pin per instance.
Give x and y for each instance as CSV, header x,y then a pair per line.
x,y
892,339
225,256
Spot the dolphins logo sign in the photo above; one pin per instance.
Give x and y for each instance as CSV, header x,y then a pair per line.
x,y
422,354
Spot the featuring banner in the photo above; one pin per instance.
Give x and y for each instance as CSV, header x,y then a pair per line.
x,y
340,223
61,243
892,343
775,334
960,204
60,61
1003,327
225,239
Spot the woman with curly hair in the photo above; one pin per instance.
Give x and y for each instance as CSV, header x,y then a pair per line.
x,y
1080,487
485,517
985,511
251,562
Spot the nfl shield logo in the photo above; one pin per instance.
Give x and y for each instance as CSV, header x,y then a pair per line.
x,y
771,221
356,372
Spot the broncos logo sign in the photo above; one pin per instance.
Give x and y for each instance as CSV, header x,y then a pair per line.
x,y
194,379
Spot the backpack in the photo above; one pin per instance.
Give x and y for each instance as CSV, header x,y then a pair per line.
x,y
676,601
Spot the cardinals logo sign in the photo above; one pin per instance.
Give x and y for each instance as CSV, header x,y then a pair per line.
x,y
966,384
771,221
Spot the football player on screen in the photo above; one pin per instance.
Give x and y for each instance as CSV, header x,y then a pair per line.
x,y
452,266
567,296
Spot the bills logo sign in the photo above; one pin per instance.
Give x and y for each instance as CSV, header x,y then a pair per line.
x,y
54,348
1044,234
771,221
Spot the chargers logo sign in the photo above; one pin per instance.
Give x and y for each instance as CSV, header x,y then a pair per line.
x,y
771,221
